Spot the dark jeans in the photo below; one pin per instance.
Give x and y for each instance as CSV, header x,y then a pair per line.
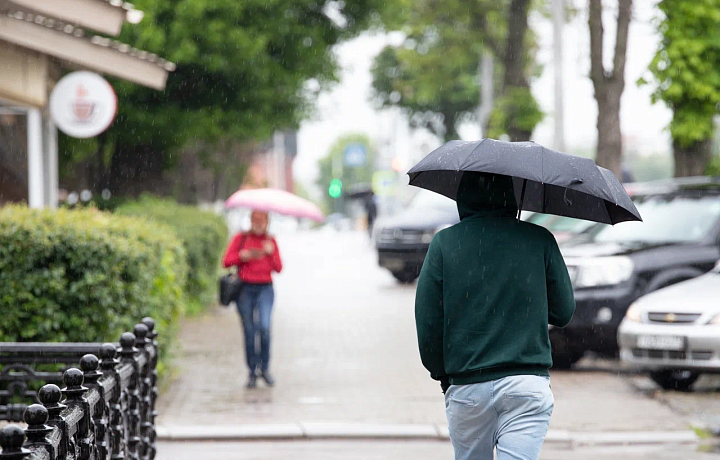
x,y
255,306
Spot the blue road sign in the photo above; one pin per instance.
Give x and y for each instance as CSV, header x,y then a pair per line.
x,y
355,155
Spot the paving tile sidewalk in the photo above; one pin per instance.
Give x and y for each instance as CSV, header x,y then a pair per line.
x,y
344,351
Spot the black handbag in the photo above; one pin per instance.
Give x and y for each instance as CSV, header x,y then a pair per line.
x,y
230,287
231,284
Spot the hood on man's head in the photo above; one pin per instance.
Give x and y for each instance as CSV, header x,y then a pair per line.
x,y
478,192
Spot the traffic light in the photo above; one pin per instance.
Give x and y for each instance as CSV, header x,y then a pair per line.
x,y
335,189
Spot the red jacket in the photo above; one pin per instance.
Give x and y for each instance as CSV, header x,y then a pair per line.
x,y
257,271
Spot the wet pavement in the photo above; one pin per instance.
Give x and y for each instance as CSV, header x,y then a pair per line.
x,y
344,351
393,450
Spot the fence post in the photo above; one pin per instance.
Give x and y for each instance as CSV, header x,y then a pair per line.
x,y
74,391
142,343
152,336
12,438
128,355
114,419
89,364
50,396
36,416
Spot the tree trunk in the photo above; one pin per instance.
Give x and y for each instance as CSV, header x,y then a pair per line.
x,y
518,135
692,160
609,143
514,61
609,86
450,127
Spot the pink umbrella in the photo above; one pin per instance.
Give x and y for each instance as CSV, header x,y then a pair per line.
x,y
275,200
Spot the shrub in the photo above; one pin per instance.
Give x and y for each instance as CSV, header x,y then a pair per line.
x,y
85,275
713,168
203,234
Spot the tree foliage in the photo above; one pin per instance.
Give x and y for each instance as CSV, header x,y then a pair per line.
x,y
436,86
686,72
242,69
433,75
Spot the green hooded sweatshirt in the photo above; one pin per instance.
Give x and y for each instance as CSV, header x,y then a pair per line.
x,y
488,289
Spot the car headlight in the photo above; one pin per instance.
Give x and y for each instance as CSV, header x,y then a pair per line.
x,y
633,313
603,271
429,234
715,321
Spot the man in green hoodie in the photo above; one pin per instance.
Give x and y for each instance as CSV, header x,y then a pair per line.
x,y
488,289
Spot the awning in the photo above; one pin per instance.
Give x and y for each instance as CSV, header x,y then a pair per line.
x,y
104,16
70,45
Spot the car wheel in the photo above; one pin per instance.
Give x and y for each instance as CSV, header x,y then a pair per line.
x,y
406,276
564,354
564,361
675,379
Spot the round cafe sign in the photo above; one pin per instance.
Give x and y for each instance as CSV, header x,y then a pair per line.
x,y
83,104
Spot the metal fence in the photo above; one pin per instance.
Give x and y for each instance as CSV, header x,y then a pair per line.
x,y
105,410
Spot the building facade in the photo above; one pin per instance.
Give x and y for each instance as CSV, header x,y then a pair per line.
x,y
40,40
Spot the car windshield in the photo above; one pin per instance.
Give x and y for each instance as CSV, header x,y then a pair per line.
x,y
560,224
426,199
666,219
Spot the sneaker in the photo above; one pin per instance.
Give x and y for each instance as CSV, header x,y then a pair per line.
x,y
267,376
251,382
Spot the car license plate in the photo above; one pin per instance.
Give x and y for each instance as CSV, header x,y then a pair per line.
x,y
394,264
661,342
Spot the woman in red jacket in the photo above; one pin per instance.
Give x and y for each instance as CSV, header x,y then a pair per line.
x,y
256,255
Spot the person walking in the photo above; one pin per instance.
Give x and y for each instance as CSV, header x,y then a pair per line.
x,y
488,289
256,255
371,211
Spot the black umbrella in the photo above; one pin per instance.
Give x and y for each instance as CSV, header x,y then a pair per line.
x,y
544,180
358,191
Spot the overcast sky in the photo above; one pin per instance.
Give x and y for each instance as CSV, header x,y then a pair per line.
x,y
347,108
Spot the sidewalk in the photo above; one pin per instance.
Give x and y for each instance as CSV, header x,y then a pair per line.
x,y
345,357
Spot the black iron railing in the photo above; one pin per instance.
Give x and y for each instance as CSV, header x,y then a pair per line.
x,y
105,410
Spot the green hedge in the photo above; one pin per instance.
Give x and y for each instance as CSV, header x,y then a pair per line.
x,y
714,166
203,234
85,275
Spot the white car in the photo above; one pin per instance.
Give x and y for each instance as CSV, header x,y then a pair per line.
x,y
674,333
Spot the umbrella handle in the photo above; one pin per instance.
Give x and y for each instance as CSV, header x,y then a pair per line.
x,y
522,198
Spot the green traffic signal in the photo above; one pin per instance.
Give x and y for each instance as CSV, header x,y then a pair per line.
x,y
335,189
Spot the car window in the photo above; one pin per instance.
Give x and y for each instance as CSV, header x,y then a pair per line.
x,y
425,199
540,219
569,225
666,219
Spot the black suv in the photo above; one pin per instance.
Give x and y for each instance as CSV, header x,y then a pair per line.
x,y
610,267
403,240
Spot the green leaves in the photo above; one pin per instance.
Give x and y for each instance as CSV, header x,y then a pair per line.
x,y
84,275
433,75
434,84
203,235
686,68
241,70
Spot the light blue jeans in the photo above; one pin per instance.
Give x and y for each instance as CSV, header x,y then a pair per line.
x,y
511,414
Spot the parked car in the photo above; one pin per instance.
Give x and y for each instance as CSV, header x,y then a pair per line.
x,y
611,267
563,228
402,241
674,333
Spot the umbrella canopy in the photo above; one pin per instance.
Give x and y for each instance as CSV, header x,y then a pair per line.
x,y
358,191
544,180
275,200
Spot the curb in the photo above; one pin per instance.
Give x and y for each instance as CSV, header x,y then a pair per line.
x,y
375,431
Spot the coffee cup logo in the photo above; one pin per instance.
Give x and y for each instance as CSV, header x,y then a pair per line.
x,y
83,104
82,107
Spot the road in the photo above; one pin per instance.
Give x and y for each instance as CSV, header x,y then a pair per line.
x,y
344,351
